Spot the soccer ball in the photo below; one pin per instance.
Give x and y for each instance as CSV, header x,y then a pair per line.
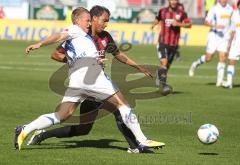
x,y
208,134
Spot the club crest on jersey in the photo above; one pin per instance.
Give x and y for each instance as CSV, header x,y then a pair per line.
x,y
177,17
104,43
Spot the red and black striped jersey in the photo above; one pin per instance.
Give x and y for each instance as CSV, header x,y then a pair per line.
x,y
169,35
105,43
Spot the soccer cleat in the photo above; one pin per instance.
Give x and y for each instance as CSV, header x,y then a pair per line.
x,y
36,138
226,85
165,89
133,151
192,69
150,144
19,137
219,83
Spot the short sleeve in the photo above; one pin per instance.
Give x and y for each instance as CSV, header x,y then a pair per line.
x,y
186,19
211,15
159,17
111,46
74,31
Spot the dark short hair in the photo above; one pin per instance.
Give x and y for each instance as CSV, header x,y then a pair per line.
x,y
98,11
238,3
76,13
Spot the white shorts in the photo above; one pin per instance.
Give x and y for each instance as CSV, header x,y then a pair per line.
x,y
96,85
216,43
234,53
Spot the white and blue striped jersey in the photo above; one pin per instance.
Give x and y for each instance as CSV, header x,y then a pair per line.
x,y
78,45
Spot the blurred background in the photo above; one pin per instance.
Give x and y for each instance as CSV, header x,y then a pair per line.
x,y
130,19
141,11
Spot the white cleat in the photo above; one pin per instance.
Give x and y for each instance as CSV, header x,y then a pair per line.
x,y
35,137
192,70
219,84
133,151
226,85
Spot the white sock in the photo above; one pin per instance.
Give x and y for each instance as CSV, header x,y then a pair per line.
x,y
131,121
200,61
220,72
230,73
41,122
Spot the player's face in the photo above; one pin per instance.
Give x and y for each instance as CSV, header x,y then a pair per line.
x,y
101,22
84,22
173,3
223,2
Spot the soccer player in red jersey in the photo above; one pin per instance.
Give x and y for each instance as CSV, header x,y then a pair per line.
x,y
171,20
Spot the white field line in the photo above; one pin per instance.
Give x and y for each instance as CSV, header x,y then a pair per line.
x,y
51,70
58,64
26,69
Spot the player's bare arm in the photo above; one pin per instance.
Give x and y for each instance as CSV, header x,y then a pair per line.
x,y
58,37
154,24
232,33
59,55
122,57
181,24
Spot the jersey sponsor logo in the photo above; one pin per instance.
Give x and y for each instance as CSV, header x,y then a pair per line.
x,y
168,22
225,16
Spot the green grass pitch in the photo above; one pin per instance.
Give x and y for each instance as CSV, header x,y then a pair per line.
x,y
25,94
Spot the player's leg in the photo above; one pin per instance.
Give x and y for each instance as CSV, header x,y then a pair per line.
x,y
131,121
177,54
126,132
210,49
63,111
165,59
202,60
220,68
88,114
230,74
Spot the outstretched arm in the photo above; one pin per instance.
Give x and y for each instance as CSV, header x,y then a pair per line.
x,y
156,21
59,54
58,37
122,57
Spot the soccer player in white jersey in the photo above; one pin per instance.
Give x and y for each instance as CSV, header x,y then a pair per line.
x,y
86,79
234,45
218,19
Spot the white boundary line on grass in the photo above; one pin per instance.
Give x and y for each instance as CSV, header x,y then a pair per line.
x,y
51,70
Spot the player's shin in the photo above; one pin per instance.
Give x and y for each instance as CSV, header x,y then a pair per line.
x,y
230,73
131,121
220,73
200,61
41,122
162,75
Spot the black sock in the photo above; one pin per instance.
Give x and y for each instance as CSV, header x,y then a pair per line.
x,y
127,133
162,75
58,132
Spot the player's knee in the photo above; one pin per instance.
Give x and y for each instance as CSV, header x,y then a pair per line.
x,y
231,62
208,58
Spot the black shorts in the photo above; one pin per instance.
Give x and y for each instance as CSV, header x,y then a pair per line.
x,y
168,52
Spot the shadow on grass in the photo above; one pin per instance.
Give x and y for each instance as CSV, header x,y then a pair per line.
x,y
211,84
214,84
208,153
177,92
101,143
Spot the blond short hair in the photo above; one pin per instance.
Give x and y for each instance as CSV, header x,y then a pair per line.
x,y
78,13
